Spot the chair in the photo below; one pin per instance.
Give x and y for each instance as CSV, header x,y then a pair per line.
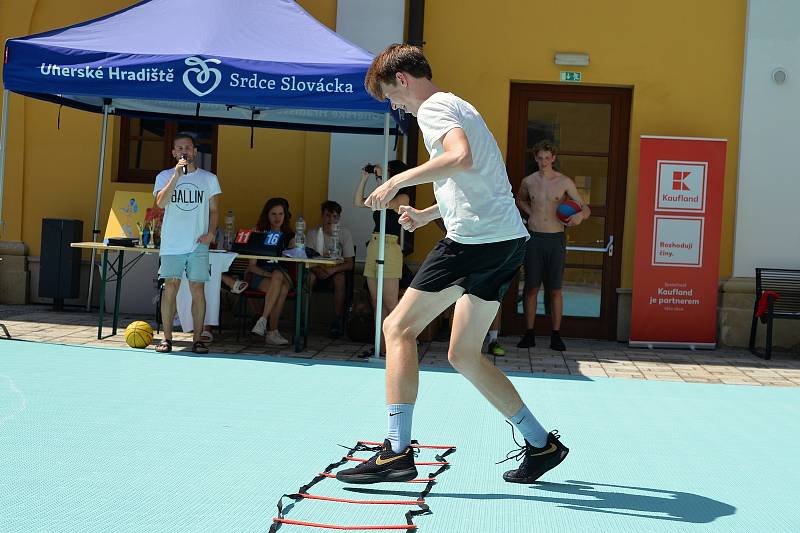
x,y
786,284
241,311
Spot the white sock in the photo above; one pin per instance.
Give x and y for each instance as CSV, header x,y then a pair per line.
x,y
492,335
400,415
530,428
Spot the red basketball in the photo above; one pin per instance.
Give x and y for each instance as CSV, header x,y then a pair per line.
x,y
566,209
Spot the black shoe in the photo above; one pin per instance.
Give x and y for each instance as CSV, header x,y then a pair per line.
x,y
528,340
336,329
535,461
556,343
384,466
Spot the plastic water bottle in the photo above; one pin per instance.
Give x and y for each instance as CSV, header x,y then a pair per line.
x,y
334,251
300,233
230,230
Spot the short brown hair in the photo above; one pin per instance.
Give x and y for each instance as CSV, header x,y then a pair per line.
x,y
396,58
184,135
331,207
545,145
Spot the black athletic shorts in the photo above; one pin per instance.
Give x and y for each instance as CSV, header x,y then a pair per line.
x,y
484,270
545,260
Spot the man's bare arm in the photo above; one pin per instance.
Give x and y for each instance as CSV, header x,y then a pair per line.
x,y
431,213
163,196
572,192
524,198
213,219
457,156
213,214
412,219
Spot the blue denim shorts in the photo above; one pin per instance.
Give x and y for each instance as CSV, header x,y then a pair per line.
x,y
196,265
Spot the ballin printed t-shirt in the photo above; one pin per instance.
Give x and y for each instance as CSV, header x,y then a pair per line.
x,y
476,205
186,215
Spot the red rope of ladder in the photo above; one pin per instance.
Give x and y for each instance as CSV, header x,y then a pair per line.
x,y
363,502
345,528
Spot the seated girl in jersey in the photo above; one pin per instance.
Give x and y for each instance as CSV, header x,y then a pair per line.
x,y
271,277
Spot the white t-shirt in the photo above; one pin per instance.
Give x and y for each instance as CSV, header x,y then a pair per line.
x,y
319,241
477,205
186,215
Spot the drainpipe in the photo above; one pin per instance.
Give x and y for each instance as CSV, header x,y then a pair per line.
x,y
416,21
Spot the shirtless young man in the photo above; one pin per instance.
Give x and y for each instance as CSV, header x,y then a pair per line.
x,y
471,267
538,197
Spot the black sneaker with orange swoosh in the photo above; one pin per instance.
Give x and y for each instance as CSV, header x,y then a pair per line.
x,y
383,467
535,461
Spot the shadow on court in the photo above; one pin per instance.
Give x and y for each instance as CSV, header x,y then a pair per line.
x,y
306,360
623,500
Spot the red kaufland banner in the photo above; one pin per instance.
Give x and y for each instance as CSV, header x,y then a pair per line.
x,y
678,226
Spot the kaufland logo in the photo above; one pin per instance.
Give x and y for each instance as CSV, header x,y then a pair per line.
x,y
679,180
681,186
200,78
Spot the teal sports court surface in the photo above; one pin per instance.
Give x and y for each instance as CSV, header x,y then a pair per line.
x,y
99,439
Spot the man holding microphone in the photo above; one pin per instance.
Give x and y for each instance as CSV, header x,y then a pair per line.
x,y
189,197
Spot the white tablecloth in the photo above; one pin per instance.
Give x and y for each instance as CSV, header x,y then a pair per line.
x,y
220,262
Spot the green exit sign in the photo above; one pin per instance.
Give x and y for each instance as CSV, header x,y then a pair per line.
x,y
569,75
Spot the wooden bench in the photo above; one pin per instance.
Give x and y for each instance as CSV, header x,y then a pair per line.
x,y
786,283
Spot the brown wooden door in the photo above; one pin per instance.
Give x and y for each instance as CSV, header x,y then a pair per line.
x,y
591,127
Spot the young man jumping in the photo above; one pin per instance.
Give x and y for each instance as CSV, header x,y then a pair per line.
x,y
472,266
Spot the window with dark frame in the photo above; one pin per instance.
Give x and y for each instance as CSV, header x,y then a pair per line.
x,y
145,147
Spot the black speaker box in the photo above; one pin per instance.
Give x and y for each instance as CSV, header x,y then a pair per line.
x,y
60,265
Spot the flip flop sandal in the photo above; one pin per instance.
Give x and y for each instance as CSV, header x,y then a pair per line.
x,y
239,286
164,346
199,347
207,336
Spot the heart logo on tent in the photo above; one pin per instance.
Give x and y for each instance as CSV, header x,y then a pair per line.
x,y
202,74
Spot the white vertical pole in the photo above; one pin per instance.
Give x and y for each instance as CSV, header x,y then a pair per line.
x,y
3,141
381,241
95,229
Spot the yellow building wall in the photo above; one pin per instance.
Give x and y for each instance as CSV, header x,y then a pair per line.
x,y
683,59
52,173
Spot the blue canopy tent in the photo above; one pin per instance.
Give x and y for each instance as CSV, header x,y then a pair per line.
x,y
257,63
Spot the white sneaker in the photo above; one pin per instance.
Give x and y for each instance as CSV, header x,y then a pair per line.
x,y
275,339
261,327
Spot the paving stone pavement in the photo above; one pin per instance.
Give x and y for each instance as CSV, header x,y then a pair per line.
x,y
590,358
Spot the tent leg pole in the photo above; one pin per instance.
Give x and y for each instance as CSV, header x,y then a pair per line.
x,y
381,243
95,230
3,142
3,131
